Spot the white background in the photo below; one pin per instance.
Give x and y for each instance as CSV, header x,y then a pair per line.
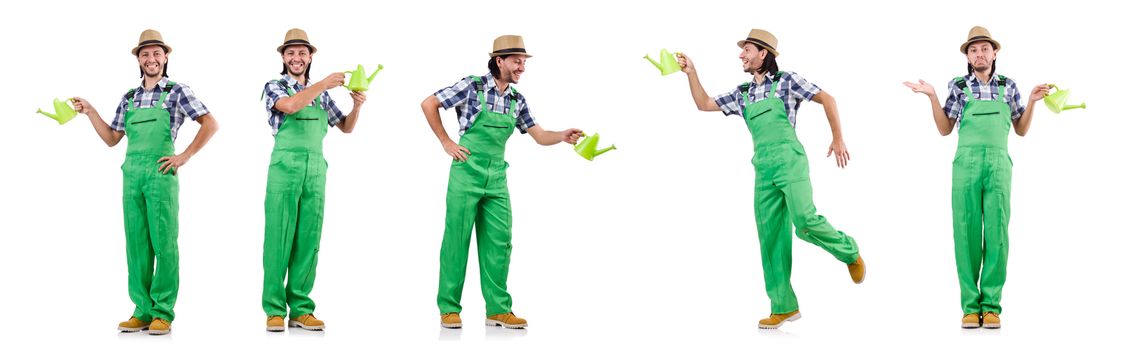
x,y
653,244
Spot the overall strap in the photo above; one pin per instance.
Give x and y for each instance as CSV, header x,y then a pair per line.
x,y
478,84
164,93
962,85
775,83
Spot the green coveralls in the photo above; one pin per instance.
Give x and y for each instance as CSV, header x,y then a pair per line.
x,y
784,196
981,182
151,205
294,200
477,196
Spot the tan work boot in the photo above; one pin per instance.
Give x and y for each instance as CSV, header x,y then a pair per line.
x,y
776,320
971,321
159,327
133,325
308,322
451,320
275,324
507,320
857,270
990,320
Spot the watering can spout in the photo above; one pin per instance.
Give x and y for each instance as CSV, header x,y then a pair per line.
x,y
648,57
371,78
602,151
52,116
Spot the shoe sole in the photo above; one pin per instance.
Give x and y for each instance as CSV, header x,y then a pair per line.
x,y
452,325
494,323
794,317
991,326
970,325
274,328
132,330
158,332
301,325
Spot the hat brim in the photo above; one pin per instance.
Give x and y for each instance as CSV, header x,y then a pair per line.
x,y
136,50
996,45
493,54
741,43
311,49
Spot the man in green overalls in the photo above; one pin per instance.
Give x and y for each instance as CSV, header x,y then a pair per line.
x,y
984,106
783,193
300,116
150,116
489,108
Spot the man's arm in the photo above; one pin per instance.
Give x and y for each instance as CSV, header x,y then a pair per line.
x,y
107,134
700,97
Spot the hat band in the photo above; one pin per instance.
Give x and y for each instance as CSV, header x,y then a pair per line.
x,y
761,43
511,50
296,42
150,42
980,37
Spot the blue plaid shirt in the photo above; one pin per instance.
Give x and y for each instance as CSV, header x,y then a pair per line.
x,y
274,91
792,89
462,96
956,101
181,103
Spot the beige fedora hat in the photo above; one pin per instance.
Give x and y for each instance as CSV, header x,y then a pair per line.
x,y
150,37
296,36
509,45
978,33
763,38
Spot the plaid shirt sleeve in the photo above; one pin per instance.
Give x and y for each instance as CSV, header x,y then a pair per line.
x,y
188,105
119,117
273,92
525,119
801,89
334,114
1015,105
731,102
955,101
456,94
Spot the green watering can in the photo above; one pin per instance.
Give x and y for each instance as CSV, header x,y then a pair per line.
x,y
587,148
669,63
359,81
63,112
1056,101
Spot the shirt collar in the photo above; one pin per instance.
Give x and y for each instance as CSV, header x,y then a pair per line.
x,y
767,77
974,78
489,84
161,84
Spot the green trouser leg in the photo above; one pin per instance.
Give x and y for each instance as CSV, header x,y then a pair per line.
x,y
477,197
294,203
980,202
784,197
492,233
151,207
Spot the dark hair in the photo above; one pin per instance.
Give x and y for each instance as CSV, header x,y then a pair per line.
x,y
307,71
769,66
165,70
493,66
